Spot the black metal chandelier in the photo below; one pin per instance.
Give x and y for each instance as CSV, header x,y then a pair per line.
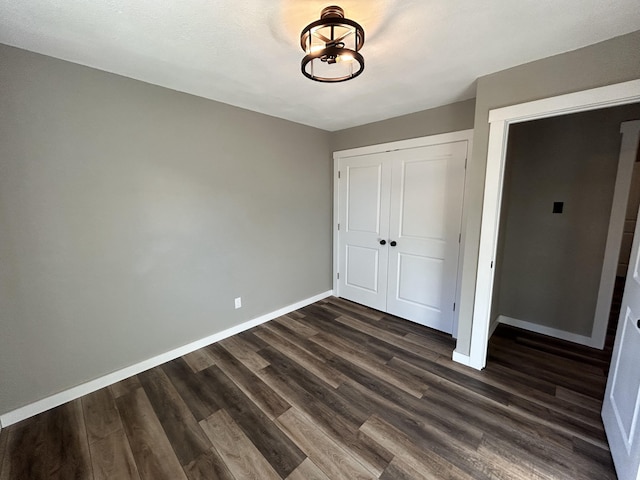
x,y
331,45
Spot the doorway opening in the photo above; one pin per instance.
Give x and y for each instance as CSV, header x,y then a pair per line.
x,y
501,120
566,188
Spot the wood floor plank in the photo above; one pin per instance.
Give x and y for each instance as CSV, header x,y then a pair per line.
x,y
209,466
455,443
334,461
52,445
307,470
297,326
464,378
305,359
100,414
238,452
552,363
238,347
25,450
518,427
436,344
423,460
388,337
288,335
198,395
593,460
152,451
399,469
283,455
347,336
525,363
125,386
355,355
111,457
353,308
294,338
4,437
180,426
583,401
519,415
66,443
537,467
199,360
384,398
506,461
544,394
250,341
372,455
270,402
318,390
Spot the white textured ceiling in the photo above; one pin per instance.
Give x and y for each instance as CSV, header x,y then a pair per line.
x,y
419,53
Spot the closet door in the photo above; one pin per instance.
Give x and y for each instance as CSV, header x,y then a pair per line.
x,y
425,221
364,190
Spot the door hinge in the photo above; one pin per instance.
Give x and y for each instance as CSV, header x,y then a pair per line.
x,y
459,238
338,173
338,275
338,226
465,163
491,263
454,307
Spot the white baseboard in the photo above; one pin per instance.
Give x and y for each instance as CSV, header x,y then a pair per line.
x,y
551,332
493,326
48,403
461,358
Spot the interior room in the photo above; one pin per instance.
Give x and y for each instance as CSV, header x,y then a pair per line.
x,y
548,279
263,240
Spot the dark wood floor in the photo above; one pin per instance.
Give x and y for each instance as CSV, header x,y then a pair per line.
x,y
332,391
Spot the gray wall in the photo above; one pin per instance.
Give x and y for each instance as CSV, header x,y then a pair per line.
x,y
551,264
449,118
132,215
612,61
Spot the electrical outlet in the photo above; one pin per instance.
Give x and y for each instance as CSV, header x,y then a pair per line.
x,y
238,302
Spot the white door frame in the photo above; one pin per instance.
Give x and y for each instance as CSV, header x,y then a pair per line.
x,y
499,121
388,147
628,151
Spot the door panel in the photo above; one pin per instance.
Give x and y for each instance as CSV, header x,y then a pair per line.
x,y
364,211
621,406
624,394
426,212
363,198
423,187
362,267
420,280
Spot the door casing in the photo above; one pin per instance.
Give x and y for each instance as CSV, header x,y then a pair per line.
x,y
499,120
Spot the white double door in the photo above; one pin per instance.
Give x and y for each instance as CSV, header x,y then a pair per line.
x,y
399,235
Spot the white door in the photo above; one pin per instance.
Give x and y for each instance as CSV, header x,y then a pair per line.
x,y
621,406
365,184
426,213
400,218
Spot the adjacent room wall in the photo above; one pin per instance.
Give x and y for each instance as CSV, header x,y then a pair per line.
x,y
612,61
551,263
445,119
132,215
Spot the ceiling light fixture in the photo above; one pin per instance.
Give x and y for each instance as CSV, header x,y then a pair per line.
x,y
331,45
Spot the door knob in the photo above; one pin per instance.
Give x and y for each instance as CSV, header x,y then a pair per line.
x,y
393,243
383,242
